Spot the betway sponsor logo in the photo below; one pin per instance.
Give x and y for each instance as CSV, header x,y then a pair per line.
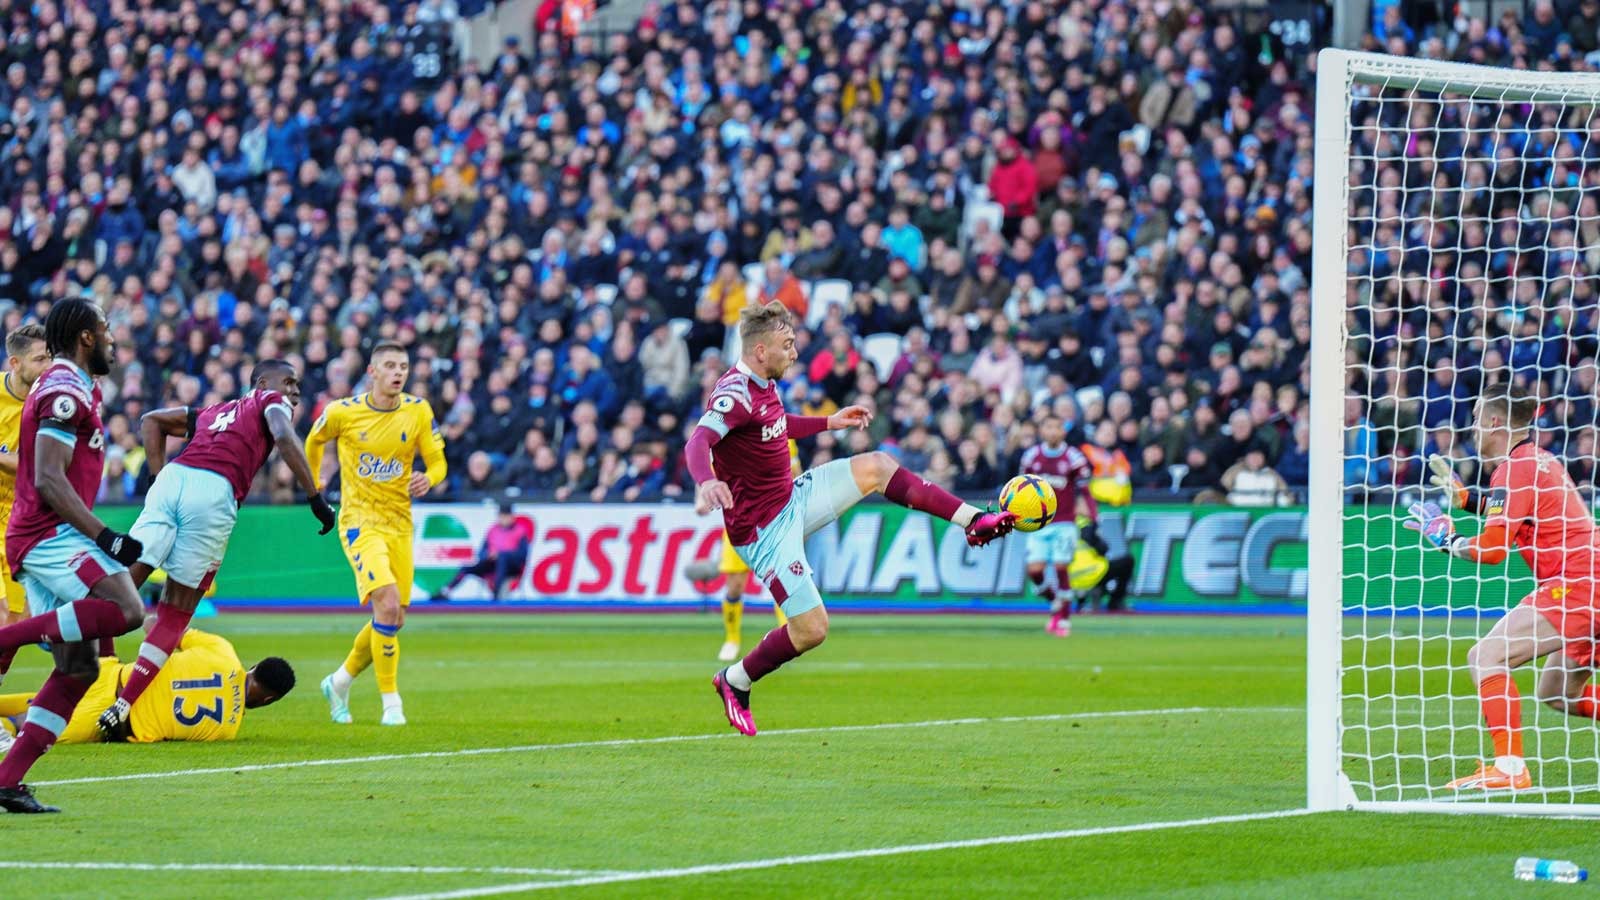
x,y
776,430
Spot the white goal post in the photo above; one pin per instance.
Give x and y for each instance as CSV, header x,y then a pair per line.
x,y
1417,220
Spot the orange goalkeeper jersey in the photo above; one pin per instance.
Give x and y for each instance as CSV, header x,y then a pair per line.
x,y
1533,498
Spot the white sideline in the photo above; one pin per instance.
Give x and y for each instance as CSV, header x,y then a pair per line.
x,y
779,861
270,867
667,739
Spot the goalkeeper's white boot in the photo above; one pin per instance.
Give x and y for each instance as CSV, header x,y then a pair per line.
x,y
338,702
6,740
393,715
1491,777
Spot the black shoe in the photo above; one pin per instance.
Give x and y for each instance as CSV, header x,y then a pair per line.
x,y
20,799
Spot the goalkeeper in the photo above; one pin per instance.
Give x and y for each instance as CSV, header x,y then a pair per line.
x,y
1531,504
200,694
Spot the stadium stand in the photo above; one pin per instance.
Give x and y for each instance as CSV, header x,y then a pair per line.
x,y
1096,208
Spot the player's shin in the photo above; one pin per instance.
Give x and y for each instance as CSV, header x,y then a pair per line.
x,y
386,662
171,622
81,620
356,662
732,618
47,718
922,495
1502,712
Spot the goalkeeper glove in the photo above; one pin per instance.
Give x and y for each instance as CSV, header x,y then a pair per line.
x,y
323,512
1435,526
1442,475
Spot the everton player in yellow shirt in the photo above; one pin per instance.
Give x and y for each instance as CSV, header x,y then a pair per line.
x,y
378,435
199,695
28,358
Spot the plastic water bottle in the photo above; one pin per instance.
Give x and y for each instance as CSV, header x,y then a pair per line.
x,y
1531,868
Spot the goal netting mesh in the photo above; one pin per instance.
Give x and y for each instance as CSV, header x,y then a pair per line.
x,y
1471,244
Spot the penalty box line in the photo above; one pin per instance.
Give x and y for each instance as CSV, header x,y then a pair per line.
x,y
666,739
845,855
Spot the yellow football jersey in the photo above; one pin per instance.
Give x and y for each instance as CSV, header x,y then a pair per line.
x,y
10,436
197,696
377,450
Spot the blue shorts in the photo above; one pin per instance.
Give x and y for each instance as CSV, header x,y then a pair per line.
x,y
1056,543
62,568
778,554
187,519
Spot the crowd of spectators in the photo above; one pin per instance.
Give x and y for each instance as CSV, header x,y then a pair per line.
x,y
1099,209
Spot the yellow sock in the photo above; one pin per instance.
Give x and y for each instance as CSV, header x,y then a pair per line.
x,y
778,610
14,704
732,618
385,655
360,652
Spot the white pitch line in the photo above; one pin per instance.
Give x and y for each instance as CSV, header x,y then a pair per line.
x,y
667,739
271,867
779,861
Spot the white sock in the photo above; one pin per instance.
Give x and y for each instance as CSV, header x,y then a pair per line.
x,y
965,515
1511,765
736,676
391,701
342,681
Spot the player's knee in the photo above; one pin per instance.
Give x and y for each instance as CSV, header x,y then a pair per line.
x,y
1485,658
808,631
874,470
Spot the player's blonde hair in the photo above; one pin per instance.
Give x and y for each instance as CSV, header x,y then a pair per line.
x,y
1516,405
758,322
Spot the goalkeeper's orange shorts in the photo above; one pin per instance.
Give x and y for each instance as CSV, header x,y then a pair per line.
x,y
1572,608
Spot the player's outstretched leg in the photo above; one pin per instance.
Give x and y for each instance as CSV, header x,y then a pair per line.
x,y
173,613
388,617
877,472
76,669
1523,635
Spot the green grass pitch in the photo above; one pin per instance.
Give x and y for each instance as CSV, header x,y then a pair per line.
x,y
1132,722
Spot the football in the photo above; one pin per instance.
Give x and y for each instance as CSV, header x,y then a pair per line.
x,y
1032,499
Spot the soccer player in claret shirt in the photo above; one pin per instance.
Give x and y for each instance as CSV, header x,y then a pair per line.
x,y
193,504
1533,505
73,567
1066,470
739,457
379,435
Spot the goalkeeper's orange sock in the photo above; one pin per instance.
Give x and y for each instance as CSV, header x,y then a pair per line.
x,y
1502,712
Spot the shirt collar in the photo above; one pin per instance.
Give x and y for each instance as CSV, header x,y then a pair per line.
x,y
750,374
73,365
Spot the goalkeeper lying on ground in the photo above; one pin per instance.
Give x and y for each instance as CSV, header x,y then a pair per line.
x,y
200,694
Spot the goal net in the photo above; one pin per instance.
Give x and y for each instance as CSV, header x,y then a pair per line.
x,y
1457,246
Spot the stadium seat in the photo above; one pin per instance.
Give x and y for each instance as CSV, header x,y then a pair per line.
x,y
607,293
680,327
881,350
824,294
756,274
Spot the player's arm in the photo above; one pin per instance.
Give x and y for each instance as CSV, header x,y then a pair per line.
x,y
157,425
280,424
325,429
53,447
724,413
435,468
8,463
